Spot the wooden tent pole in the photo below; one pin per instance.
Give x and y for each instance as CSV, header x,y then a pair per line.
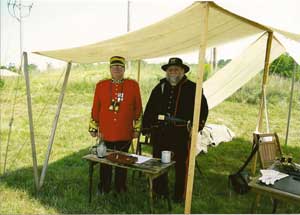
x,y
139,71
265,78
263,93
31,128
197,106
290,105
52,135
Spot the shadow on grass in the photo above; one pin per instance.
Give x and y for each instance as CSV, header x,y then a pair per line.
x,y
66,186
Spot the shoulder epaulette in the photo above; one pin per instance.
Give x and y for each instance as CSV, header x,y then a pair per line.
x,y
130,79
103,80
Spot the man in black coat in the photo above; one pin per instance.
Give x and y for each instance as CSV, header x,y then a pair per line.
x,y
170,107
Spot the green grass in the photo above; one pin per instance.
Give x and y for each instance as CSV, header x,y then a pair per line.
x,y
66,186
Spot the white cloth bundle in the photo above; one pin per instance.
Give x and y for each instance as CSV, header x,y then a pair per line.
x,y
213,135
269,176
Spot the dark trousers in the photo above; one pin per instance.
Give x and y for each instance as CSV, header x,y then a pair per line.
x,y
174,139
120,173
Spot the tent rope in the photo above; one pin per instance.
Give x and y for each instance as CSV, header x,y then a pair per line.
x,y
265,100
16,156
12,117
0,122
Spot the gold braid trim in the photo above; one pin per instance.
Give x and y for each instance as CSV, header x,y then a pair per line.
x,y
93,126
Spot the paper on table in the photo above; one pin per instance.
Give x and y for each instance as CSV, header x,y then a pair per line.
x,y
141,159
270,176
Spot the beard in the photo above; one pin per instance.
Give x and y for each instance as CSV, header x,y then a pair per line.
x,y
174,80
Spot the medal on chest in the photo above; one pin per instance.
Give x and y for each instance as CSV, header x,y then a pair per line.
x,y
115,102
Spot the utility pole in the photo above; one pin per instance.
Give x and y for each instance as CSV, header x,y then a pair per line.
x,y
128,27
19,11
15,10
214,59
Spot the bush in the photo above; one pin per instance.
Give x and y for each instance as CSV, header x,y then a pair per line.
x,y
1,83
278,91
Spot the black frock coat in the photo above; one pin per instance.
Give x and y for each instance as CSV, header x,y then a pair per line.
x,y
175,101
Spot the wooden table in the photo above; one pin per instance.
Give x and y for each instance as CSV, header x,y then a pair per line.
x,y
152,169
276,194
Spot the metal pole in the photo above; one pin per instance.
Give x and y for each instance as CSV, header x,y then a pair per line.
x,y
197,107
55,121
290,105
128,16
139,71
128,28
21,34
31,128
214,59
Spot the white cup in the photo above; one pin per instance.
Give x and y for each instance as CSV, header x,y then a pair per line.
x,y
166,156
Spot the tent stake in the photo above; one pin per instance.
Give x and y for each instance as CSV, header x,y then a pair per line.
x,y
263,95
31,128
197,107
52,135
290,105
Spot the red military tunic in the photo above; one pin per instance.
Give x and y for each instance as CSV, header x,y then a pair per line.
x,y
117,125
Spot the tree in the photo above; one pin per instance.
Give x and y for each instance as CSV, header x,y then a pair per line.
x,y
283,66
32,67
222,63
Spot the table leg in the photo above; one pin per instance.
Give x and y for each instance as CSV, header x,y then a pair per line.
x,y
169,202
275,203
91,171
150,194
255,203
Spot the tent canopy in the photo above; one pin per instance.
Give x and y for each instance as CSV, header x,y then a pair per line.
x,y
177,34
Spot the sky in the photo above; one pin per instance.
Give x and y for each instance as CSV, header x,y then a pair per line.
x,y
58,24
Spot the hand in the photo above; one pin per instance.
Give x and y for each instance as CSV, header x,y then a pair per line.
x,y
93,134
136,134
99,135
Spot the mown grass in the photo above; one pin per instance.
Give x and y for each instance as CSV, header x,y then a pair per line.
x,y
66,186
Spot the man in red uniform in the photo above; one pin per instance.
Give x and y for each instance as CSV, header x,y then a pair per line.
x,y
116,118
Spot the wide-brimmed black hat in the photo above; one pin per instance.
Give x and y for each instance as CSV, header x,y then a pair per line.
x,y
175,61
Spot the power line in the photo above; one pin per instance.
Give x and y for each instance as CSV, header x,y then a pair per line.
x,y
19,11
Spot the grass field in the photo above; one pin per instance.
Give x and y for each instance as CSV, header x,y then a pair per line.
x,y
66,185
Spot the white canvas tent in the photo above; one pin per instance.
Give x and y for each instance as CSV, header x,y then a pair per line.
x,y
202,25
177,34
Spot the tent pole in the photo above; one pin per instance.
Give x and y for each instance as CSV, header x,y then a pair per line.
x,y
139,71
265,78
54,125
263,93
31,128
197,107
290,105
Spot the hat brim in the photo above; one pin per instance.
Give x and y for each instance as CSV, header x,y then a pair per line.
x,y
117,64
185,67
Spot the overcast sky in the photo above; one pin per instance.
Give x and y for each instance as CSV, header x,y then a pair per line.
x,y
57,24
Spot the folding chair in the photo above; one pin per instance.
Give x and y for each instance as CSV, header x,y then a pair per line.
x,y
269,148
